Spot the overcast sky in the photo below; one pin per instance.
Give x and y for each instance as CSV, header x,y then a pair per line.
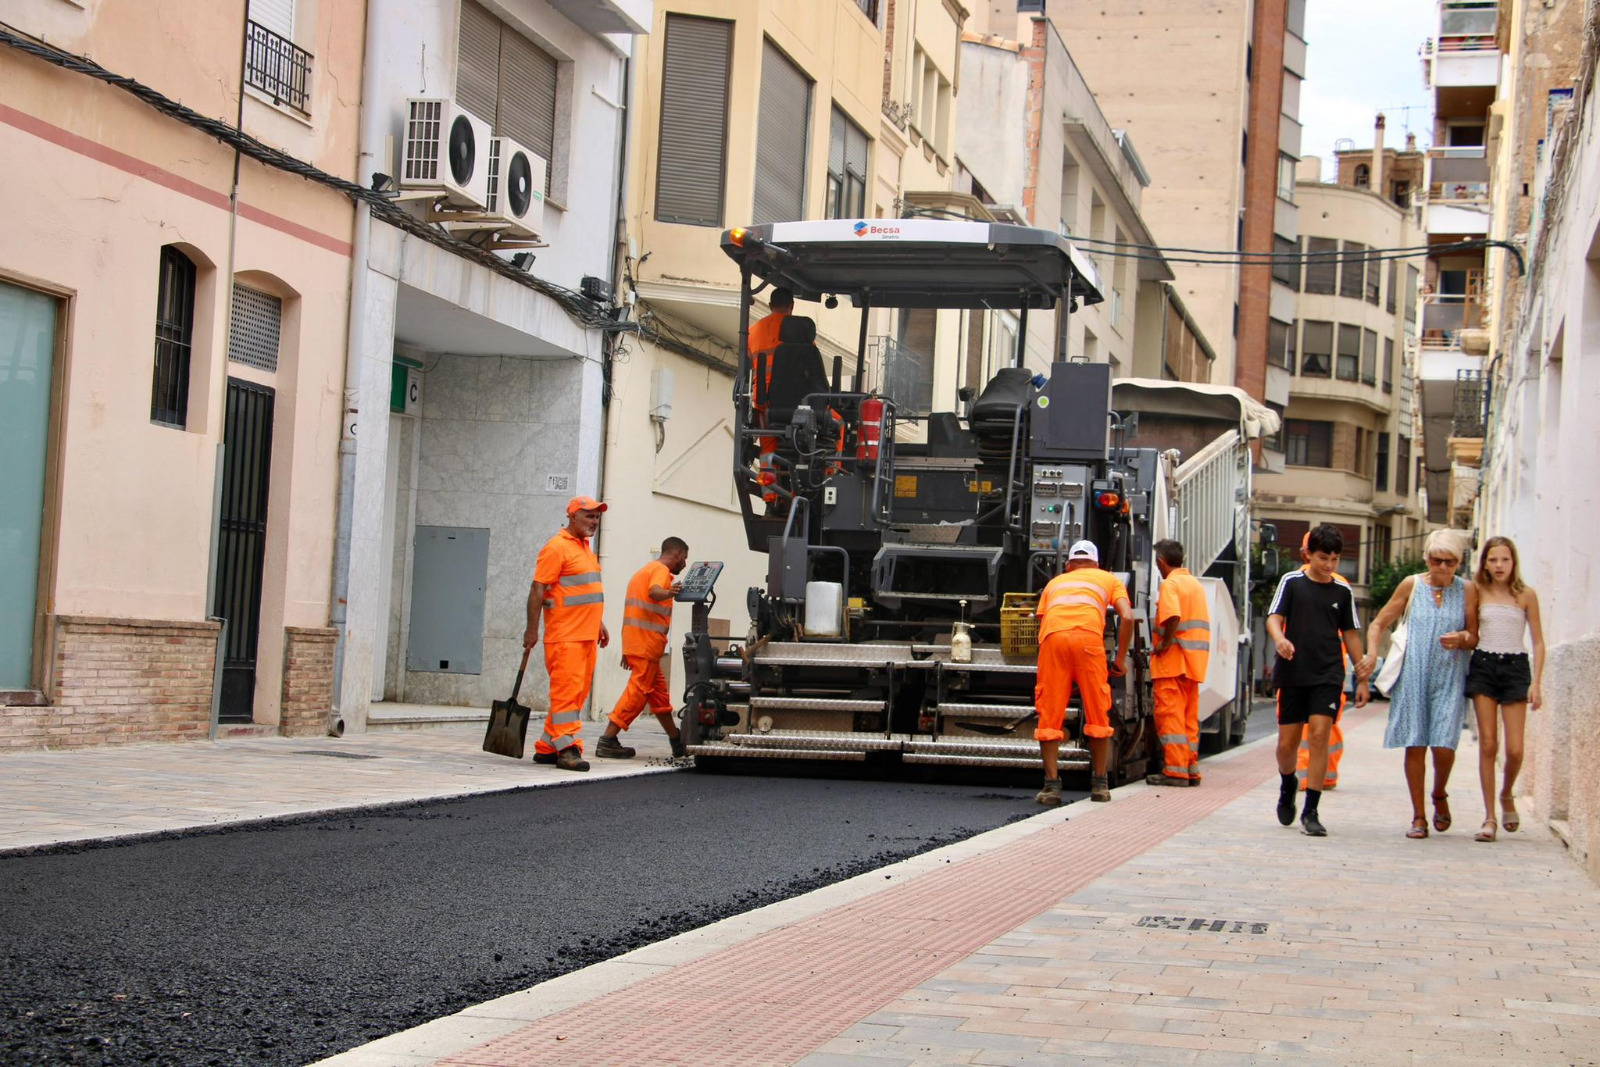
x,y
1361,59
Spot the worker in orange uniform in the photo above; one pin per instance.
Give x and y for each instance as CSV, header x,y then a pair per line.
x,y
1178,667
1302,760
566,592
761,343
646,620
1072,648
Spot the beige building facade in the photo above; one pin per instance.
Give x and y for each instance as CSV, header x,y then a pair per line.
x,y
172,342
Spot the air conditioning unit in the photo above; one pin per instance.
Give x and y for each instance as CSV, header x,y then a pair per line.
x,y
447,150
516,188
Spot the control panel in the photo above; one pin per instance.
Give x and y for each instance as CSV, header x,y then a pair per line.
x,y
697,582
1056,504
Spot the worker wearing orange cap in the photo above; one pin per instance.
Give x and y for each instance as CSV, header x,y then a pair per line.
x,y
566,592
646,621
1302,761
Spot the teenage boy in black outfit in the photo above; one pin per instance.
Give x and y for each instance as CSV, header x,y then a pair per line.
x,y
1310,614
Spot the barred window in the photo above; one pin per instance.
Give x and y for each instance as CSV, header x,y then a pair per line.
x,y
169,391
254,327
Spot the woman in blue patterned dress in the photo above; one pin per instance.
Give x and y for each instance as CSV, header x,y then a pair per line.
x,y
1429,701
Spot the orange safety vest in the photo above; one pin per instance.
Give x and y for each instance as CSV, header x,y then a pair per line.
x,y
764,339
573,597
645,622
1184,598
1078,600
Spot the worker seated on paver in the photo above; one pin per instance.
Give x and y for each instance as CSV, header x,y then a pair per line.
x,y
784,378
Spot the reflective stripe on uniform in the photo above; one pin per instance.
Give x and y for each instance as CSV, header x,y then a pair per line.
x,y
583,598
1076,598
1194,624
640,624
1196,644
1174,739
649,605
560,718
1177,772
559,743
580,579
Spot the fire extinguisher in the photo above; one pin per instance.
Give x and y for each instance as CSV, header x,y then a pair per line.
x,y
871,428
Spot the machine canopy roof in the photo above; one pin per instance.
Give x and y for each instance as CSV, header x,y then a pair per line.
x,y
917,263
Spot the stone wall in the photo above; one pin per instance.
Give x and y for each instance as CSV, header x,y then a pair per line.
x,y
120,680
307,681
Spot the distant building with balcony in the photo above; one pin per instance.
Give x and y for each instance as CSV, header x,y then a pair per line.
x,y
1398,174
1347,452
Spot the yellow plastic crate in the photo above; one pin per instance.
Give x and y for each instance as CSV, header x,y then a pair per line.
x,y
1019,626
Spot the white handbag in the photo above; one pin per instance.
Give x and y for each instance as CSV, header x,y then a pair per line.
x,y
1389,674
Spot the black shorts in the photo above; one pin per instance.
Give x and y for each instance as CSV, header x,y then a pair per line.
x,y
1504,676
1297,703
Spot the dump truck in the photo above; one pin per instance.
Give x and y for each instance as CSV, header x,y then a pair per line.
x,y
907,545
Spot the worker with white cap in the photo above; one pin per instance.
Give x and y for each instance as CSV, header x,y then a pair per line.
x,y
1072,625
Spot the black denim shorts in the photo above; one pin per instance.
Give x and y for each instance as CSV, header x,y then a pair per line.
x,y
1504,676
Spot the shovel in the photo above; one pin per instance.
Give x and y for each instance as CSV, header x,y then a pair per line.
x,y
508,720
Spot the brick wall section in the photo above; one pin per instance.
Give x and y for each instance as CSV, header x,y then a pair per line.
x,y
307,681
120,680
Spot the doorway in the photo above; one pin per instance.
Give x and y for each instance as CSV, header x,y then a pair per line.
x,y
242,540
27,359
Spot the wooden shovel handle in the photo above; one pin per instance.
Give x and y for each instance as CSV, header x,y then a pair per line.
x,y
517,686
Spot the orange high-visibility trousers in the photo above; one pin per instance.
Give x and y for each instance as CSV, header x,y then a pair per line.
x,y
1178,726
1302,759
571,667
1065,657
646,685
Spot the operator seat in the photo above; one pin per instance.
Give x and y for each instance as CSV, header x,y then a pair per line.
x,y
797,369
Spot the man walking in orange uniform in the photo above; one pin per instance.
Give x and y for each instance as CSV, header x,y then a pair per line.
x,y
646,621
566,591
1178,667
1072,627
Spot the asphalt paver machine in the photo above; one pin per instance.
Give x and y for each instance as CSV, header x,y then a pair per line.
x,y
906,546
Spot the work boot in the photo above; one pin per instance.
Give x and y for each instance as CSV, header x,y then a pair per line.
x,y
1312,826
571,759
1099,788
545,757
611,748
1162,779
678,751
1050,794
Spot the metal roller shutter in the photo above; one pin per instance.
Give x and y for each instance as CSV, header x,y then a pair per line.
x,y
478,61
527,111
782,136
275,15
694,120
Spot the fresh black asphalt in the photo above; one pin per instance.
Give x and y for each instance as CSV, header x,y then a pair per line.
x,y
287,942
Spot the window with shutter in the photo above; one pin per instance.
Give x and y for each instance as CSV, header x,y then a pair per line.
x,y
1322,266
274,15
693,152
847,168
781,140
508,81
1353,270
254,328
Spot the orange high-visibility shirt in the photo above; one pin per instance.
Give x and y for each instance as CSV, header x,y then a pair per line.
x,y
1183,598
764,338
1078,600
573,597
645,622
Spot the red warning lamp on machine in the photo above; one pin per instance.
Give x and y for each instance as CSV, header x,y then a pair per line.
x,y
1108,499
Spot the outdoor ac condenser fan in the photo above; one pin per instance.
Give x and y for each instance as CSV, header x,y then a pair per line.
x,y
445,152
516,189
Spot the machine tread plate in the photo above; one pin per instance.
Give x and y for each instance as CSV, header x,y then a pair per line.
x,y
814,704
949,746
816,739
1034,764
818,654
743,752
986,711
992,668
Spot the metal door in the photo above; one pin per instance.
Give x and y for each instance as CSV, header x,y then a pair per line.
x,y
27,355
242,539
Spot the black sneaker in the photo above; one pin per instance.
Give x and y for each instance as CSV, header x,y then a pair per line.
x,y
1050,794
611,748
1286,808
545,757
1311,826
678,751
1099,789
571,759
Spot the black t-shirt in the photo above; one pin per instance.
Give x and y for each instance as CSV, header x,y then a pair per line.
x,y
1315,617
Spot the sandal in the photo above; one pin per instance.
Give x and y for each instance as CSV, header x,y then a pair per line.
x,y
1487,833
1508,812
1419,829
1441,812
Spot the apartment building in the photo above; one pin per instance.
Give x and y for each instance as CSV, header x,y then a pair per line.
x,y
755,111
1212,94
1047,155
1348,438
172,348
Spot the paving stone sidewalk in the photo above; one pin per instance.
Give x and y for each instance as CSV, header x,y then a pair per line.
x,y
87,794
1166,927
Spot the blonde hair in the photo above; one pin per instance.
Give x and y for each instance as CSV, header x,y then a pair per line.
x,y
1444,543
1483,579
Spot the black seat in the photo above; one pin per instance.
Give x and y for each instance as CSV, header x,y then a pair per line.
x,y
797,370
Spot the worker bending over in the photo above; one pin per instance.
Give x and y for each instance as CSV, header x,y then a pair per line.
x,y
566,591
1072,628
646,621
1178,667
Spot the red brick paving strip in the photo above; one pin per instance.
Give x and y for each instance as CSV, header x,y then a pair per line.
x,y
778,996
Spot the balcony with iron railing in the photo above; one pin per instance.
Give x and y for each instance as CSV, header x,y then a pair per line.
x,y
277,67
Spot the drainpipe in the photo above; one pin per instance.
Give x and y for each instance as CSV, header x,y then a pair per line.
x,y
339,609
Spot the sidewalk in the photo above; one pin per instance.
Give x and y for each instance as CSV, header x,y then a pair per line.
x,y
1168,926
119,790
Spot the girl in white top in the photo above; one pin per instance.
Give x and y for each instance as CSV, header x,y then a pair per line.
x,y
1500,676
